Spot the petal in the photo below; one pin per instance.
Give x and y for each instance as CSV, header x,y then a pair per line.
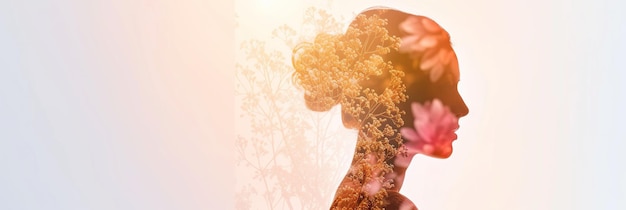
x,y
451,136
445,150
427,132
417,48
428,41
430,25
446,56
436,72
418,109
409,134
437,109
428,149
372,187
422,118
429,59
411,25
449,121
407,42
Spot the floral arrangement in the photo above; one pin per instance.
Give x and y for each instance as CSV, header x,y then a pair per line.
x,y
333,70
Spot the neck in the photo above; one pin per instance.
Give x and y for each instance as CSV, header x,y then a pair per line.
x,y
401,162
367,175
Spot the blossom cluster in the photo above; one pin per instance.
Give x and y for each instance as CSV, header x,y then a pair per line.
x,y
335,69
433,130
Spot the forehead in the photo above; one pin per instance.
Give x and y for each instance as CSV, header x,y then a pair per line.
x,y
424,53
428,46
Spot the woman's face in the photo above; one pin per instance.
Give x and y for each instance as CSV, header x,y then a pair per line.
x,y
432,110
433,104
432,113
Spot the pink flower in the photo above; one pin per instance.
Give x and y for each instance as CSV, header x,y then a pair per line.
x,y
429,46
433,131
423,33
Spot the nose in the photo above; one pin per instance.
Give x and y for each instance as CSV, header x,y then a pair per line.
x,y
460,109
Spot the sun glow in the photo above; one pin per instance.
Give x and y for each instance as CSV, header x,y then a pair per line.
x,y
275,8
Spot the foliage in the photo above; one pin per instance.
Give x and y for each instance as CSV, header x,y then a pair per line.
x,y
289,151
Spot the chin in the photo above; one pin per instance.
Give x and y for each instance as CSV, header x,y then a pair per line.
x,y
441,156
442,153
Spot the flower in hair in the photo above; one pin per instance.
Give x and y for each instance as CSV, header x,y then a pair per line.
x,y
429,46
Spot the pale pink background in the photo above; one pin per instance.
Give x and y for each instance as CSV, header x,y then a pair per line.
x,y
116,104
128,104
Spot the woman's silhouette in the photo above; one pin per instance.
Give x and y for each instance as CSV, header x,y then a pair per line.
x,y
395,76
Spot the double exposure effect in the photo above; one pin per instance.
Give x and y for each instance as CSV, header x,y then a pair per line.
x,y
395,77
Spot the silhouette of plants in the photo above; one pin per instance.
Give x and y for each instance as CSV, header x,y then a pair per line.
x,y
289,152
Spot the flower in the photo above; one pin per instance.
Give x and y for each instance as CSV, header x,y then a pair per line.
x,y
429,46
433,130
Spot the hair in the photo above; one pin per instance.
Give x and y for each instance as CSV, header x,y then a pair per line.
x,y
341,68
329,68
318,96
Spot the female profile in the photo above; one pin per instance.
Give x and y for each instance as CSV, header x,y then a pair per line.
x,y
395,77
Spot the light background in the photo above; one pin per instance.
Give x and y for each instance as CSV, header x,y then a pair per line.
x,y
113,105
116,104
543,81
